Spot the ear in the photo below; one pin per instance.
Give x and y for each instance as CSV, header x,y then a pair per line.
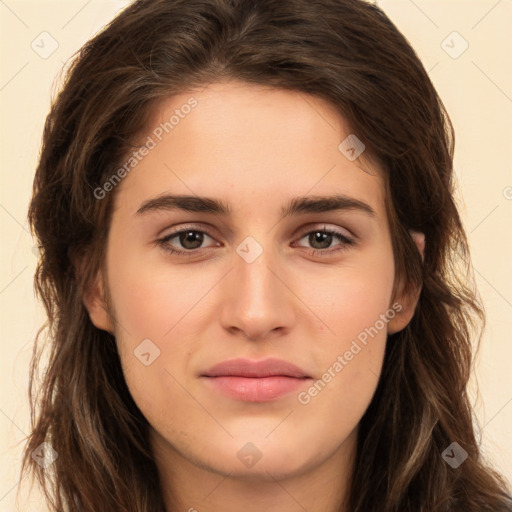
x,y
93,297
406,302
96,305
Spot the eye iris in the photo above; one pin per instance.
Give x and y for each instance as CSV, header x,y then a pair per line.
x,y
325,239
191,239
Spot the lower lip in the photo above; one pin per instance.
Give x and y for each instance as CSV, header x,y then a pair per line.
x,y
261,389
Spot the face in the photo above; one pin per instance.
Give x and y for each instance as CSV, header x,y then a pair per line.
x,y
265,269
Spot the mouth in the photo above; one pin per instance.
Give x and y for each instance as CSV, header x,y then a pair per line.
x,y
255,381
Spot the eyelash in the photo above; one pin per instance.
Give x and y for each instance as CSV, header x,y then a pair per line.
x,y
345,241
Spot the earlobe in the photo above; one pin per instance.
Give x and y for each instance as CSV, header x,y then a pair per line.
x,y
93,295
96,305
408,301
419,240
404,312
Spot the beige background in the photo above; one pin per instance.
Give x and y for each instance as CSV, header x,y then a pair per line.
x,y
476,86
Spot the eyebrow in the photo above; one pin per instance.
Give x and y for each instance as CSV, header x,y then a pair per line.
x,y
296,206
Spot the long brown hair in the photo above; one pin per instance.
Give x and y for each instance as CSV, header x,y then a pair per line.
x,y
348,53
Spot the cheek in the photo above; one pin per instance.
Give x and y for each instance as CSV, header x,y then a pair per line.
x,y
151,298
165,305
350,298
355,308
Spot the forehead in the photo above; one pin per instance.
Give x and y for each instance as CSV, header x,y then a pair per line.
x,y
243,144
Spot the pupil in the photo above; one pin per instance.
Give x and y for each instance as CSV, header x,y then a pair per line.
x,y
191,239
324,238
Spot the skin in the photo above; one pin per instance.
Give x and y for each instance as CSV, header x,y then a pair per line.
x,y
255,149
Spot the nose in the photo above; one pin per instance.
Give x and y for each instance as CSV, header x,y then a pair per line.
x,y
257,300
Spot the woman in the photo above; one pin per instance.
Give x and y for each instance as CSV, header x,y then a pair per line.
x,y
248,240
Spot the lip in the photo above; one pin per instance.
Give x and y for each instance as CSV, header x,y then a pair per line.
x,y
255,381
260,368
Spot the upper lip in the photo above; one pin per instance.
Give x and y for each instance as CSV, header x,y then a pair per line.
x,y
259,368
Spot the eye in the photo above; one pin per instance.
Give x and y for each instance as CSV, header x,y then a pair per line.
x,y
189,239
321,241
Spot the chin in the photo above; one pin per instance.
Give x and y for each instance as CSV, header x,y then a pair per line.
x,y
262,459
